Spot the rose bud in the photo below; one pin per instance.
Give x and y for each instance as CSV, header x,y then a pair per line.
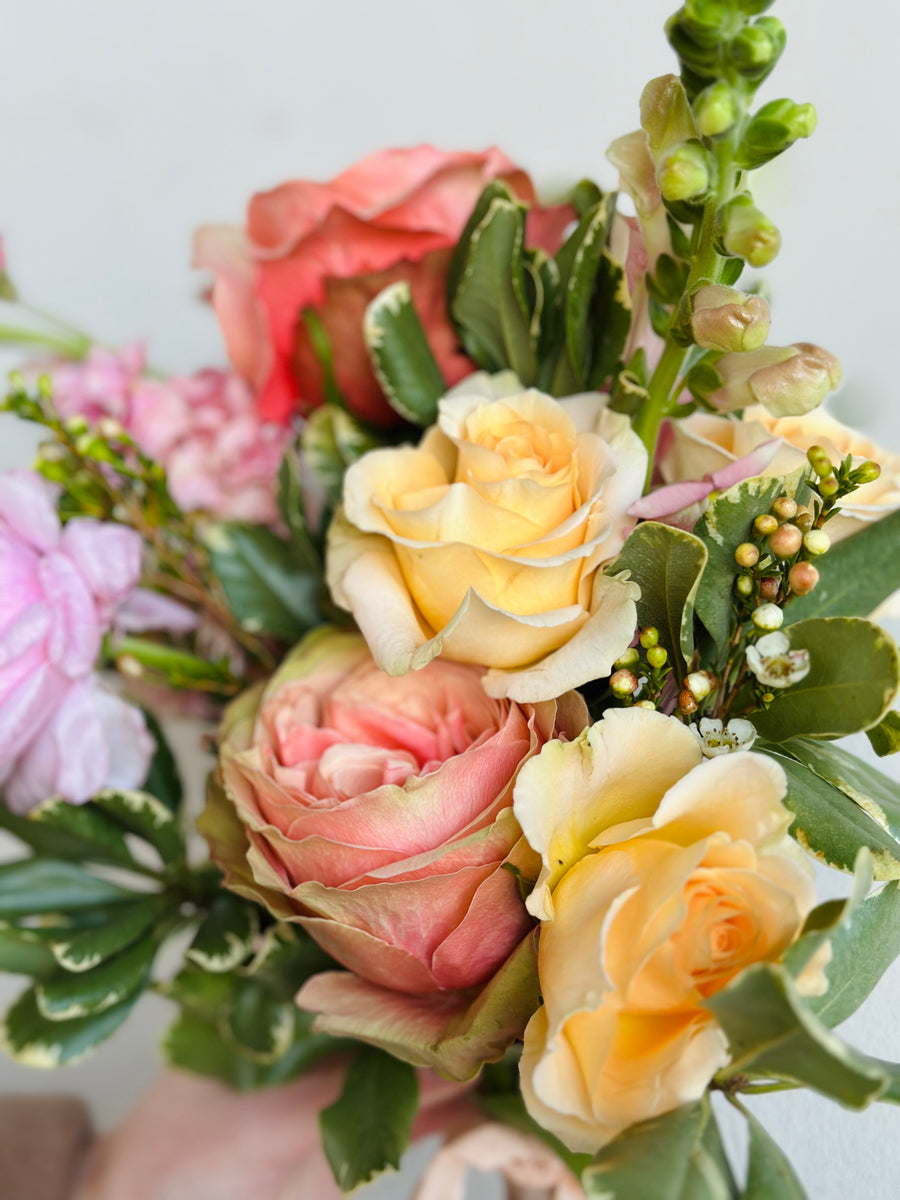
x,y
725,319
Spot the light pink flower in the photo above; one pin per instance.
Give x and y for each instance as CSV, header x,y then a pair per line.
x,y
61,590
219,457
375,812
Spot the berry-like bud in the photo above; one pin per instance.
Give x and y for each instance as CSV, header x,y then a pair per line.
x,y
867,472
819,461
627,660
745,232
648,704
816,542
804,521
657,656
787,380
686,702
828,487
624,683
698,684
127,665
723,318
764,525
802,578
649,636
684,173
744,585
768,617
716,109
76,426
746,555
784,508
786,541
769,587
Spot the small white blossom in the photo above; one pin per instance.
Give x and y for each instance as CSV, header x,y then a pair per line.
x,y
775,664
716,738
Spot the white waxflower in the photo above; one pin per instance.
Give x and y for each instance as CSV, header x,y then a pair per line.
x,y
775,664
716,738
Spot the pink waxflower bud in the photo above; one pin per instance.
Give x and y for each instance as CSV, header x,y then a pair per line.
x,y
725,319
785,380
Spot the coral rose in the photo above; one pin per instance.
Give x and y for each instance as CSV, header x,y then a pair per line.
x,y
332,247
376,812
486,543
664,876
703,444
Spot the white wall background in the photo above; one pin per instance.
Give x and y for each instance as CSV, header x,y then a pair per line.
x,y
126,124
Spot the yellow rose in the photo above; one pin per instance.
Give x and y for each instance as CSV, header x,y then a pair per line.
x,y
664,875
486,542
702,444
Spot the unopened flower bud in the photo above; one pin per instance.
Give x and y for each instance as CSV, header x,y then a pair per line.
x,y
657,656
716,109
686,702
649,636
784,508
744,585
788,381
802,578
745,232
723,318
786,541
866,472
816,542
76,426
773,129
624,683
684,173
819,461
110,428
126,664
768,617
648,704
764,525
804,521
627,660
746,555
698,684
769,587
757,48
828,487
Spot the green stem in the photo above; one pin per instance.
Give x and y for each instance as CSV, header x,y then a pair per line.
x,y
68,346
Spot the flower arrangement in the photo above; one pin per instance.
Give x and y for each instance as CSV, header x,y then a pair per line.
x,y
527,591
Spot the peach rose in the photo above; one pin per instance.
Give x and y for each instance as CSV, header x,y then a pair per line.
x,y
486,542
376,813
332,247
664,875
703,444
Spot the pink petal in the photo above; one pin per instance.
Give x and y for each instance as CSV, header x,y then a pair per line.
x,y
28,508
145,609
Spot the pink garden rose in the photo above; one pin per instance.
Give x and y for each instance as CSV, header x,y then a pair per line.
x,y
375,812
204,429
333,246
61,590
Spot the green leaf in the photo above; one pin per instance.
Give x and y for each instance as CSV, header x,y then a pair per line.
x,y
725,524
332,439
579,262
489,305
853,677
401,357
885,736
830,825
83,949
876,794
854,576
88,824
610,319
771,1033
769,1174
22,953
146,817
292,507
28,1037
366,1130
52,841
226,934
495,190
267,589
668,565
163,780
43,885
320,344
72,995
661,1159
261,1024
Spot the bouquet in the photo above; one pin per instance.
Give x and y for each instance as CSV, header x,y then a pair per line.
x,y
525,589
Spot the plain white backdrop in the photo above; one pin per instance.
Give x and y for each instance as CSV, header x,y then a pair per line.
x,y
126,124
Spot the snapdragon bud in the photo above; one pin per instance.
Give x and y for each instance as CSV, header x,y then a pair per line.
x,y
757,48
786,541
788,381
723,318
816,542
684,172
773,129
768,617
716,109
745,232
802,578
